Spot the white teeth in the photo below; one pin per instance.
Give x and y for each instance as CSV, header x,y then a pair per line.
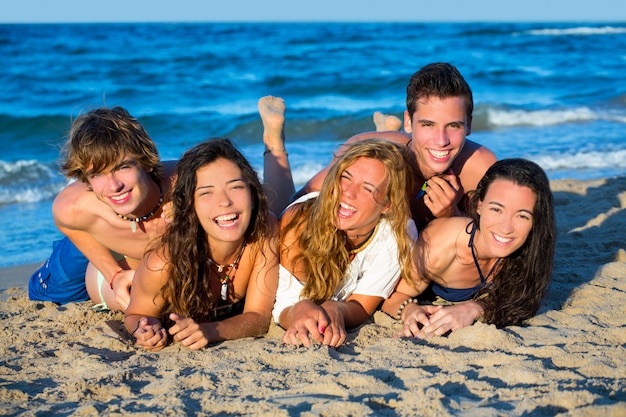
x,y
439,154
226,218
502,239
347,207
119,197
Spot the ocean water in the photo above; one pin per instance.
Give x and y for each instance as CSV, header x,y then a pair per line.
x,y
551,92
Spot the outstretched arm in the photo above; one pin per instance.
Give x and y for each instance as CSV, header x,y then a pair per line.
x,y
146,304
73,217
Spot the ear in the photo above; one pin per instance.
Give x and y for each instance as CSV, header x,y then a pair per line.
x,y
479,208
386,209
468,126
408,127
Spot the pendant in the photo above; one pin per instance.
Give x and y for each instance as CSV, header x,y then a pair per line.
x,y
133,226
220,268
224,292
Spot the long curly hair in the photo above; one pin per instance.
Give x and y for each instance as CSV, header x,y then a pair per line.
x,y
323,255
522,278
185,245
99,138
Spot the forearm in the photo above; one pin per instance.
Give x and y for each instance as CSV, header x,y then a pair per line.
x,y
131,321
352,312
248,324
391,306
475,310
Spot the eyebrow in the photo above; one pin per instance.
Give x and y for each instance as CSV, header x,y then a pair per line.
x,y
125,161
364,182
114,167
461,122
200,187
502,205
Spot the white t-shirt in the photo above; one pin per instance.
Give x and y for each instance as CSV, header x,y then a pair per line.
x,y
374,271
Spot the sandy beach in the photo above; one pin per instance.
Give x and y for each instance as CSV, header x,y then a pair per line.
x,y
570,360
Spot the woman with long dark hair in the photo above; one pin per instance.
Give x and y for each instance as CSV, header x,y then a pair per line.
x,y
213,275
494,265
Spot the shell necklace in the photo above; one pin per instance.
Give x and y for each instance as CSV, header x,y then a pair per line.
x,y
232,269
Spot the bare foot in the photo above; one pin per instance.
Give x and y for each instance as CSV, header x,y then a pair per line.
x,y
386,122
272,112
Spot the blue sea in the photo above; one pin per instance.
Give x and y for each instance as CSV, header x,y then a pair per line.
x,y
551,92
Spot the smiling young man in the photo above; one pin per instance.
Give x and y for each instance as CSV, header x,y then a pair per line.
x,y
437,120
110,213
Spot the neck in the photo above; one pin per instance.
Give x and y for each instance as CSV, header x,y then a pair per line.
x,y
226,252
358,241
154,203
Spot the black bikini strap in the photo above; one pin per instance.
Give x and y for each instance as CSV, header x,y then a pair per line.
x,y
472,233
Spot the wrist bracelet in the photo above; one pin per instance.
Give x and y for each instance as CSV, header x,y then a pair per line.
x,y
113,277
268,150
403,305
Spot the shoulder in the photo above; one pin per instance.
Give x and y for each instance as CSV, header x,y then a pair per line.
x,y
156,260
444,229
75,206
472,163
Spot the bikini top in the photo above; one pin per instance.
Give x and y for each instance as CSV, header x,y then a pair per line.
x,y
463,294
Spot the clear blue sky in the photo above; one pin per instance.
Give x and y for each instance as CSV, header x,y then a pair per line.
x,y
36,11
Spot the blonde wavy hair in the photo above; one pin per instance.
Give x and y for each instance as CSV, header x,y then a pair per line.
x,y
324,257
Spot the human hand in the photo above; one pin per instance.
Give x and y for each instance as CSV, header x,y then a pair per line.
x,y
335,333
451,318
442,194
121,287
150,334
309,321
166,212
414,316
188,333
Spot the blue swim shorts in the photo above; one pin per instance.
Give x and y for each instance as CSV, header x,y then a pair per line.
x,y
61,279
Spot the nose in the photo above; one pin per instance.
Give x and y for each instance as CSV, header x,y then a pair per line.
x,y
115,184
224,199
507,227
347,189
442,137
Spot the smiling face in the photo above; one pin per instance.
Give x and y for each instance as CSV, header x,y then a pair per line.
x,y
222,201
125,187
506,218
438,129
363,196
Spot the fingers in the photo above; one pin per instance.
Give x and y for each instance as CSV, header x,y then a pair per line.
x,y
166,212
187,332
417,318
150,336
320,331
442,193
334,336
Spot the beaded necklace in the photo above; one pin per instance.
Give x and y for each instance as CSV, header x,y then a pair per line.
x,y
232,268
136,220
